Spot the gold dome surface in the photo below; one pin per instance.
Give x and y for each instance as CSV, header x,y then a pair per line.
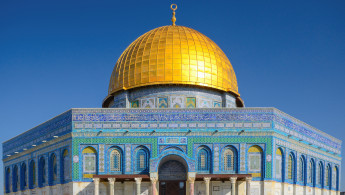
x,y
173,55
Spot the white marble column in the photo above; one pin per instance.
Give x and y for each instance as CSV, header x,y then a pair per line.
x,y
207,184
191,181
154,185
233,185
138,182
112,185
248,180
96,181
154,179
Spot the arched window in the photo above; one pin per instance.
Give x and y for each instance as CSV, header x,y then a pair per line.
x,y
311,172
8,180
142,157
53,169
320,175
115,161
301,169
204,162
32,174
328,176
23,175
65,163
15,179
334,176
42,173
279,164
255,161
229,159
89,162
291,167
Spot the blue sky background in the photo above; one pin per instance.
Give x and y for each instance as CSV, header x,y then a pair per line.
x,y
57,55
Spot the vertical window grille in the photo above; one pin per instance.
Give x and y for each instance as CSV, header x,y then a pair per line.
x,y
54,168
66,165
32,175
310,172
301,170
290,167
142,164
42,172
228,160
15,179
8,180
203,160
320,175
334,173
278,164
23,175
115,160
327,174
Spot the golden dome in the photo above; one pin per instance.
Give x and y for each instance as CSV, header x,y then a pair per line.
x,y
173,55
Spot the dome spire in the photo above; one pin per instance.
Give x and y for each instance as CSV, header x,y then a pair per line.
x,y
173,19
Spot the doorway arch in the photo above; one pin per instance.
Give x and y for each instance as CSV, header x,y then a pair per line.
x,y
172,174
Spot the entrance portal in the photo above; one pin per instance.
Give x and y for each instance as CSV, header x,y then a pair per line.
x,y
172,178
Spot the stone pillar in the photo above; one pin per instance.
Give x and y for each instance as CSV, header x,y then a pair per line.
x,y
191,181
233,185
154,179
138,182
154,185
207,183
112,185
96,181
248,180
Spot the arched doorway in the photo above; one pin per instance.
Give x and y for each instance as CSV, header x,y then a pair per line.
x,y
172,176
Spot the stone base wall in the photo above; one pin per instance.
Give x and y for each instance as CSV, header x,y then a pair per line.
x,y
216,188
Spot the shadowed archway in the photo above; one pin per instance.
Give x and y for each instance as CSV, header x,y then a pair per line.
x,y
172,173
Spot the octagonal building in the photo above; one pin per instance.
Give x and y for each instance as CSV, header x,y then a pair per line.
x,y
172,123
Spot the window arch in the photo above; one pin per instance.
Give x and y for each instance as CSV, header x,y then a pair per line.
x,y
204,159
65,166
89,162
336,178
8,180
255,161
115,160
42,174
311,172
52,169
23,176
334,175
15,179
328,176
142,160
301,169
229,159
320,175
279,164
292,167
32,174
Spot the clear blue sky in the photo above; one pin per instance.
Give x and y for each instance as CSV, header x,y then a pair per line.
x,y
57,55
